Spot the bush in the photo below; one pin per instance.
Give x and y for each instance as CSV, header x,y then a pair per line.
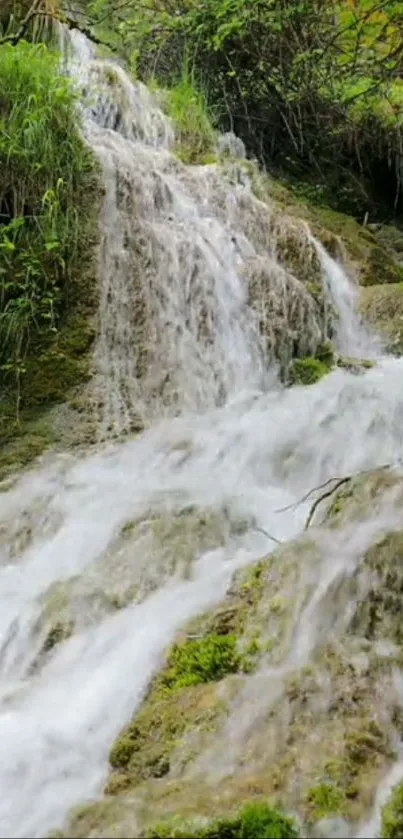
x,y
45,175
202,660
254,821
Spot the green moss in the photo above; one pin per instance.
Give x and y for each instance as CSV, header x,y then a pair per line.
x,y
122,751
146,747
307,371
355,365
254,821
325,799
392,815
380,267
201,660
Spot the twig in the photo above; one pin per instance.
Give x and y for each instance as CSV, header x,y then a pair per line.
x,y
330,480
326,495
269,536
305,497
341,482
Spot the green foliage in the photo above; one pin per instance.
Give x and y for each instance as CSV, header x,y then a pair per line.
x,y
45,173
313,88
307,371
202,660
187,107
392,815
254,821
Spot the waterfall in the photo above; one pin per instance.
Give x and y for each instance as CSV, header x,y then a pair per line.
x,y
180,351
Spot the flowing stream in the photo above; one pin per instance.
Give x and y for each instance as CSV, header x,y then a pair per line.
x,y
179,351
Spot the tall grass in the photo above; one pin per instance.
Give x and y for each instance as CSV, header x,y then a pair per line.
x,y
188,108
45,170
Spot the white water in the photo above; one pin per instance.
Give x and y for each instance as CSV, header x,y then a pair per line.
x,y
177,243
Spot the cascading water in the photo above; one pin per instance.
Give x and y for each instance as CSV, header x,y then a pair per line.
x,y
180,350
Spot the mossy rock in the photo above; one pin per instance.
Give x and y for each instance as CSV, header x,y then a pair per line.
x,y
392,815
380,268
355,365
380,612
390,237
358,497
318,738
159,739
295,251
382,307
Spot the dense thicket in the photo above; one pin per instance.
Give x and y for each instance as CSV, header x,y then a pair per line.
x,y
314,87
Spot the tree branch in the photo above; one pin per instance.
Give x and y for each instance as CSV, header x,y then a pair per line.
x,y
32,12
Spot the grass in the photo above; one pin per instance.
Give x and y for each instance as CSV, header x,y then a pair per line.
x,y
46,172
187,106
254,821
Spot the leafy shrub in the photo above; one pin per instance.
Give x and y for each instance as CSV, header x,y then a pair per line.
x,y
202,660
254,821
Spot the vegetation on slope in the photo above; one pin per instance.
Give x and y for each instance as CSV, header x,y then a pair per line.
x,y
254,821
48,180
314,88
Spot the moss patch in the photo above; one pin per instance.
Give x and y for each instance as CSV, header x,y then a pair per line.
x,y
254,821
325,799
392,815
307,371
157,737
380,267
382,308
201,660
380,613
